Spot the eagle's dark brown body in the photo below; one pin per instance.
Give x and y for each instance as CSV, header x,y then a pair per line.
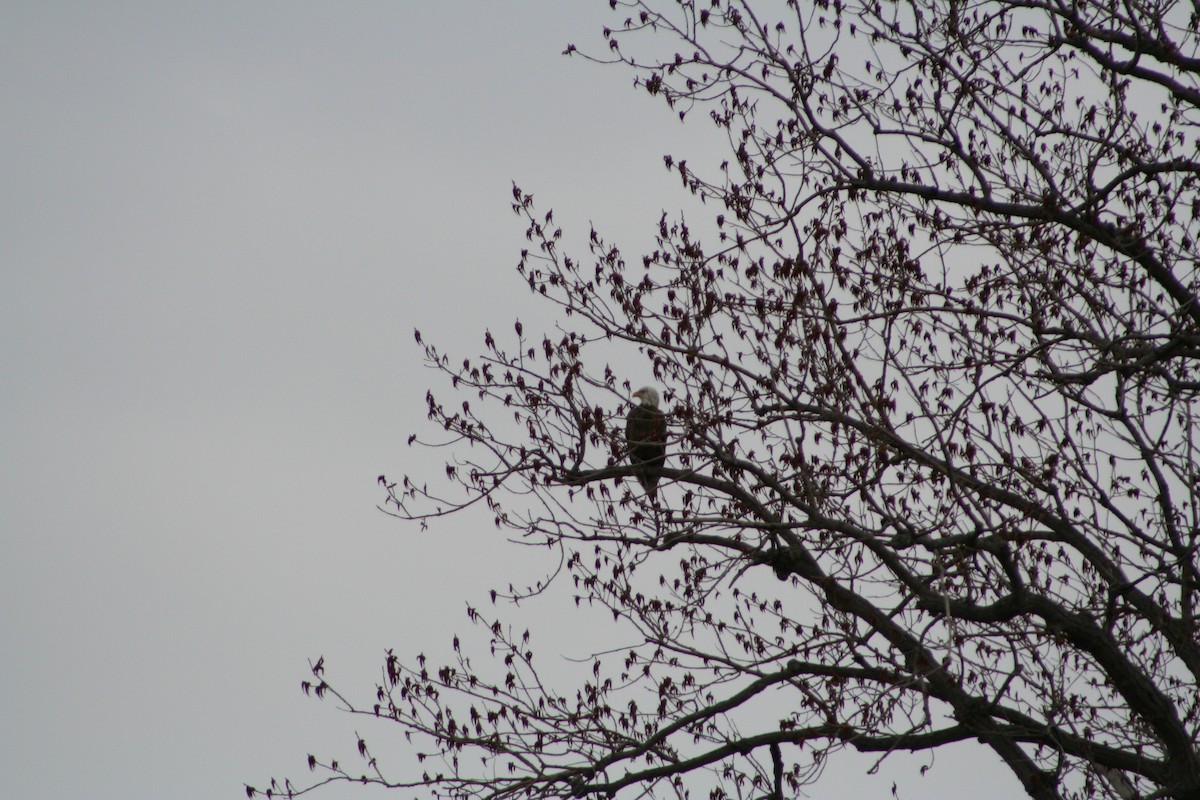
x,y
646,435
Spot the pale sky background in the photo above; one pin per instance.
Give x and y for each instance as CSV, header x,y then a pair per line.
x,y
219,224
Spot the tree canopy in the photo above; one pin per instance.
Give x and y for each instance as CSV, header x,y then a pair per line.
x,y
929,356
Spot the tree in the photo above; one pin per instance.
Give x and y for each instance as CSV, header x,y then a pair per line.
x,y
930,364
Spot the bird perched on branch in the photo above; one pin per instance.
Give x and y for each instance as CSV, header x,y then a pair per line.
x,y
646,435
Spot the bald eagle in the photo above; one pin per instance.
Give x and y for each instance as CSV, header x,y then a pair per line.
x,y
646,435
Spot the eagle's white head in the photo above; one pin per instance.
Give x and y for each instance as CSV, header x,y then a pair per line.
x,y
648,396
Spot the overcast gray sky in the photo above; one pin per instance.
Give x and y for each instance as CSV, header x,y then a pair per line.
x,y
219,224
